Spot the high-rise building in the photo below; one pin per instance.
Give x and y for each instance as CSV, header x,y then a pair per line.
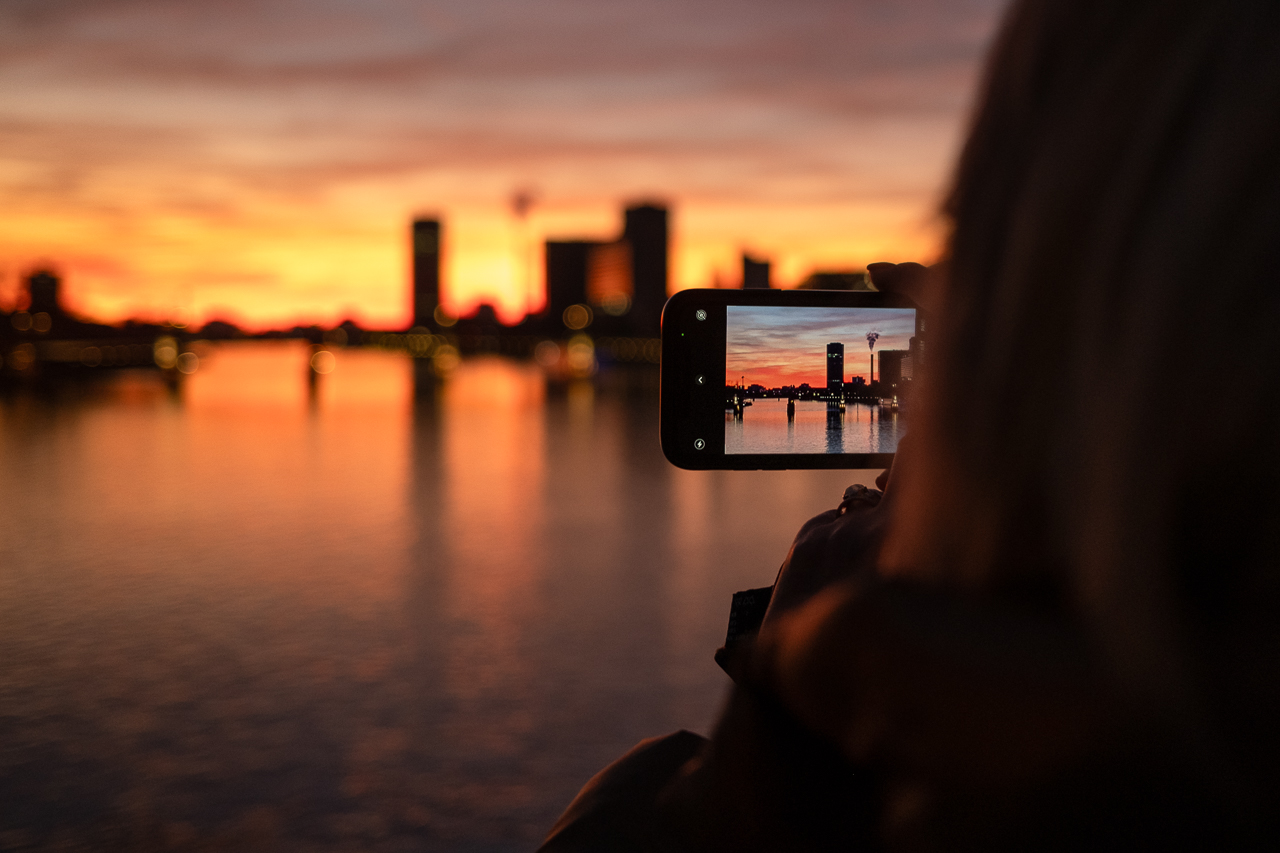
x,y
755,273
623,281
895,368
426,271
646,230
44,291
610,284
835,369
566,277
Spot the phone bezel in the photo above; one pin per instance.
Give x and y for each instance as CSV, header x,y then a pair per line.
x,y
692,348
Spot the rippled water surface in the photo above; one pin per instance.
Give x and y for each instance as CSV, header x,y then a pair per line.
x,y
373,617
765,428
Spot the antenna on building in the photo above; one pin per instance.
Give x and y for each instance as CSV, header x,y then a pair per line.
x,y
872,337
522,201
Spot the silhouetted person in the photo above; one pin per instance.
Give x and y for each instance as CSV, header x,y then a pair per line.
x,y
1059,630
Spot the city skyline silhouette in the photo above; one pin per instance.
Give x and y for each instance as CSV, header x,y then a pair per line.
x,y
776,347
215,160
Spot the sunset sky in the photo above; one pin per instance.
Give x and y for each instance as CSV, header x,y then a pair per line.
x,y
773,346
259,161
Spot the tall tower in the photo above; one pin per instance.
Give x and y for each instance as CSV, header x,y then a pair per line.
x,y
646,231
426,271
566,278
835,369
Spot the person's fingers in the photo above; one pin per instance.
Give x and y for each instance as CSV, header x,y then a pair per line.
x,y
819,520
830,547
915,281
905,278
885,480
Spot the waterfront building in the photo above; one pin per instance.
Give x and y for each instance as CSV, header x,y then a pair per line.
x,y
611,278
755,273
623,282
835,369
895,370
44,291
646,229
565,268
425,239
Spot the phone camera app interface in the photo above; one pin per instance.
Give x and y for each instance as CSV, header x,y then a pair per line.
x,y
818,380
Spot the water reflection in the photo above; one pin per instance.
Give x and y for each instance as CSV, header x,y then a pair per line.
x,y
387,611
782,426
835,428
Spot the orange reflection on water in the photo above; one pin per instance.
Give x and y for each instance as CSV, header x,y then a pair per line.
x,y
495,386
361,381
494,474
281,459
245,375
434,614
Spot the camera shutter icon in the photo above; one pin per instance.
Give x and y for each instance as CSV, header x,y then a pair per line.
x,y
700,314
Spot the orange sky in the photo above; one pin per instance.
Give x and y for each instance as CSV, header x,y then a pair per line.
x,y
773,347
260,162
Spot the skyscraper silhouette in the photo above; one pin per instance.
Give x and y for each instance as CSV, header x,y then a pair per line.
x,y
566,277
610,277
426,271
835,368
44,291
755,273
895,367
623,280
646,231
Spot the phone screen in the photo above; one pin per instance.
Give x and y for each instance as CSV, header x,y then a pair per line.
x,y
810,380
758,379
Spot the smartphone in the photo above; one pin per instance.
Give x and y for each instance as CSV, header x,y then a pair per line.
x,y
771,379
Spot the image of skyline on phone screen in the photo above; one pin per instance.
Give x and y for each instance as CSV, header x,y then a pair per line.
x,y
817,380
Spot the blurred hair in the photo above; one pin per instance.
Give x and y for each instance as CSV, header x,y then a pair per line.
x,y
1100,431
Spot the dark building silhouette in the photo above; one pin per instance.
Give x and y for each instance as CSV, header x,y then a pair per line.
x,y
895,369
566,278
426,271
755,273
835,368
348,333
44,291
483,322
220,330
623,281
611,278
646,230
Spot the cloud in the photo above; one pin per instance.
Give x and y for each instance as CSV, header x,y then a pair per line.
x,y
122,117
777,346
409,40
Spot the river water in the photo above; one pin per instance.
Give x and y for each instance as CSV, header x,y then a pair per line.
x,y
765,428
249,616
